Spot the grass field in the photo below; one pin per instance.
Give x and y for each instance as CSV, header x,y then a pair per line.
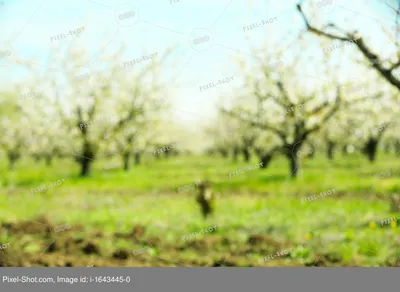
x,y
138,218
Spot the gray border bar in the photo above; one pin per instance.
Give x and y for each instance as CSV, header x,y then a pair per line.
x,y
209,279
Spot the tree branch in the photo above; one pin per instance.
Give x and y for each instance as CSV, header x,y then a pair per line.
x,y
284,92
374,59
263,126
326,118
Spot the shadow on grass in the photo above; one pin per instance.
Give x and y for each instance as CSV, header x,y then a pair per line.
x,y
274,178
347,165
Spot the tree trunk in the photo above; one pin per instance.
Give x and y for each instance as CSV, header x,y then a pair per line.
x,y
371,148
137,158
36,157
235,154
397,147
224,153
167,153
86,159
49,160
12,159
331,147
246,154
125,158
85,167
344,150
265,159
293,154
294,165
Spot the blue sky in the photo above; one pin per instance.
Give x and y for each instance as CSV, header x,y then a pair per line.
x,y
161,24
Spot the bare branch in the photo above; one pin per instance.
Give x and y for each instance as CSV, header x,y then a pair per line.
x,y
395,65
362,99
284,93
260,125
394,9
374,59
329,115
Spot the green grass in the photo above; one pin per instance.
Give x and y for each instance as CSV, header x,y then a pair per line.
x,y
262,201
348,175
